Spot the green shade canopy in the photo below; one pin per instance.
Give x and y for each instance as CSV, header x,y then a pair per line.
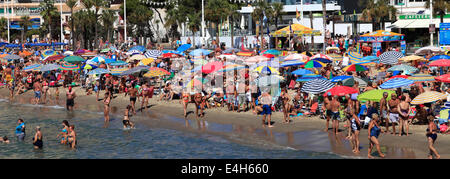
x,y
374,95
73,59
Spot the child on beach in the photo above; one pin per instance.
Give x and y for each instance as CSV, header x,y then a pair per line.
x,y
126,118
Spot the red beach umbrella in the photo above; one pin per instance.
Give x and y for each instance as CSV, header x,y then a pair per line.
x,y
399,76
440,63
443,78
341,91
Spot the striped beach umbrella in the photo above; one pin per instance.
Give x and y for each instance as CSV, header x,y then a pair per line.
x,y
309,77
374,95
403,67
266,70
73,59
335,57
428,97
314,64
440,63
155,72
153,53
98,71
118,63
245,54
390,57
443,78
355,57
355,67
317,86
118,71
396,83
302,72
292,63
399,76
69,67
34,67
421,78
322,58
340,78
439,57
341,91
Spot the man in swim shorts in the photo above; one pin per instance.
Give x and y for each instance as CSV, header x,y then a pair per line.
x,y
37,87
393,111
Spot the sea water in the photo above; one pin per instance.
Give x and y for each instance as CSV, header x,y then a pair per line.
x,y
95,140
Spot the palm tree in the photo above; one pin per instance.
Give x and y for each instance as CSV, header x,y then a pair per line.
x,y
233,14
71,4
24,23
108,17
48,12
277,12
258,14
193,24
440,8
3,28
378,12
215,11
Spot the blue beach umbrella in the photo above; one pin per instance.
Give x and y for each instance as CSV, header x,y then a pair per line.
x,y
396,83
302,72
340,78
292,63
98,71
309,77
184,47
138,48
439,57
118,63
370,58
199,52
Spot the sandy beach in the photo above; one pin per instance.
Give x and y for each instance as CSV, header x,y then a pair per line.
x,y
302,133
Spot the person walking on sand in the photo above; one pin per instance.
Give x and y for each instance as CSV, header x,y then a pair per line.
x,y
37,87
20,130
198,103
266,101
403,109
37,139
393,111
335,105
186,100
106,102
145,96
133,93
355,128
374,131
72,137
384,111
70,99
431,137
126,118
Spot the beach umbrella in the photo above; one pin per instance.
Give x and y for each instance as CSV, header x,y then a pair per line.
x,y
421,78
196,82
429,49
399,76
153,53
428,97
302,72
256,59
269,55
374,95
341,91
200,52
228,57
355,67
25,53
351,82
443,78
272,52
396,83
403,67
69,67
268,80
170,55
54,58
134,52
273,64
355,57
231,67
109,61
317,86
245,54
322,58
68,53
73,59
117,71
314,64
266,70
98,71
137,58
309,77
98,59
292,63
412,58
138,48
335,57
297,56
340,78
174,52
87,67
12,57
34,67
146,61
390,57
155,72
49,67
370,58
231,50
209,67
184,47
48,52
439,57
440,63
118,63
137,69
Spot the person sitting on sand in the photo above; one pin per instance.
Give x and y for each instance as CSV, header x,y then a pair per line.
x,y
374,131
4,139
126,118
431,137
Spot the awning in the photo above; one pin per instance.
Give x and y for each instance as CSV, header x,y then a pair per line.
x,y
416,23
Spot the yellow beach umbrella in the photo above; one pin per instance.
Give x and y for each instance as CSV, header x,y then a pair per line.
x,y
266,69
137,58
147,61
428,97
412,58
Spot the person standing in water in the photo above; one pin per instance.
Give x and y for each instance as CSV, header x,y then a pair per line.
x,y
126,118
64,132
70,101
107,102
431,137
37,139
72,137
266,101
133,93
20,130
374,131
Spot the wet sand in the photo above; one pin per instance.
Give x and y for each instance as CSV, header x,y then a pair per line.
x,y
246,128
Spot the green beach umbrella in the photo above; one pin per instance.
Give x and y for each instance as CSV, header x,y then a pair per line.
x,y
374,95
73,59
67,66
314,64
87,67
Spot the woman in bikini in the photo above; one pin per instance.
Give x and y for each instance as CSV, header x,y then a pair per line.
x,y
286,106
355,128
106,103
374,131
431,137
45,89
186,100
64,132
72,137
145,96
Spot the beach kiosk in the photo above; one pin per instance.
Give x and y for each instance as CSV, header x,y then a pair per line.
x,y
380,40
292,31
